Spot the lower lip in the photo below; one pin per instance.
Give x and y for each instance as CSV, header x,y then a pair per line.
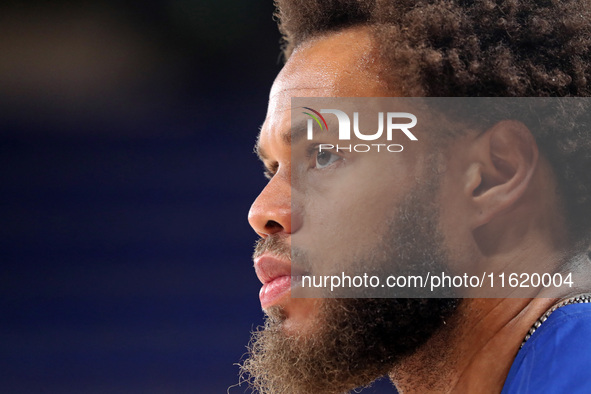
x,y
273,291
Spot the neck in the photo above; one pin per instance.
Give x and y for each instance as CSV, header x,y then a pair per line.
x,y
475,349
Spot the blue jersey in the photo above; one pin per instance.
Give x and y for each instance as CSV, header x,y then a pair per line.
x,y
557,357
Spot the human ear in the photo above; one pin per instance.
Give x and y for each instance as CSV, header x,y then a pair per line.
x,y
504,160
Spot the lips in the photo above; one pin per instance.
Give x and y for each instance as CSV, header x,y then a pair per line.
x,y
275,274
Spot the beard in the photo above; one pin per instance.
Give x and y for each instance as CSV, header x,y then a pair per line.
x,y
352,342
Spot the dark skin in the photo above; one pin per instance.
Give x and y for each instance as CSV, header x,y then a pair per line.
x,y
498,207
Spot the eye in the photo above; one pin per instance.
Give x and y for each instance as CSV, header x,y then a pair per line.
x,y
325,159
270,170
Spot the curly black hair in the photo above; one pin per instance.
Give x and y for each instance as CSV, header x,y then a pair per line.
x,y
481,48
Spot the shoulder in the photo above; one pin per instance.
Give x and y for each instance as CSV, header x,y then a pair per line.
x,y
557,356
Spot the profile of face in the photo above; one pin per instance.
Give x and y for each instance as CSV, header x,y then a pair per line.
x,y
388,213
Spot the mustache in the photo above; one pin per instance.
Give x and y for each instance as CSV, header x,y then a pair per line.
x,y
278,246
273,244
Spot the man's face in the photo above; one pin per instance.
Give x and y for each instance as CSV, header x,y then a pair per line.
x,y
340,65
373,202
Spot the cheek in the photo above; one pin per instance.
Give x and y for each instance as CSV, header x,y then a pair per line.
x,y
353,209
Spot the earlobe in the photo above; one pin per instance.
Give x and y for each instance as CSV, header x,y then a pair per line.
x,y
506,158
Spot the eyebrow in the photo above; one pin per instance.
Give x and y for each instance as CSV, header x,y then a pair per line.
x,y
258,149
293,136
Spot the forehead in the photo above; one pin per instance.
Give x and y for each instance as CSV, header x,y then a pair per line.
x,y
340,64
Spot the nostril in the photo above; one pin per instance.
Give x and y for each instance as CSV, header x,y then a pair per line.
x,y
273,226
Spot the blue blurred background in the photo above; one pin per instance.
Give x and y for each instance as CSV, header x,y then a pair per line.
x,y
126,174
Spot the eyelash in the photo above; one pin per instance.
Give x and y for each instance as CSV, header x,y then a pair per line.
x,y
313,150
269,172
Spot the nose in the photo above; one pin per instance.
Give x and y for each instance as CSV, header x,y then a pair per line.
x,y
271,211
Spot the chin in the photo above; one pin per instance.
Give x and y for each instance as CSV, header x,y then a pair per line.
x,y
297,316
